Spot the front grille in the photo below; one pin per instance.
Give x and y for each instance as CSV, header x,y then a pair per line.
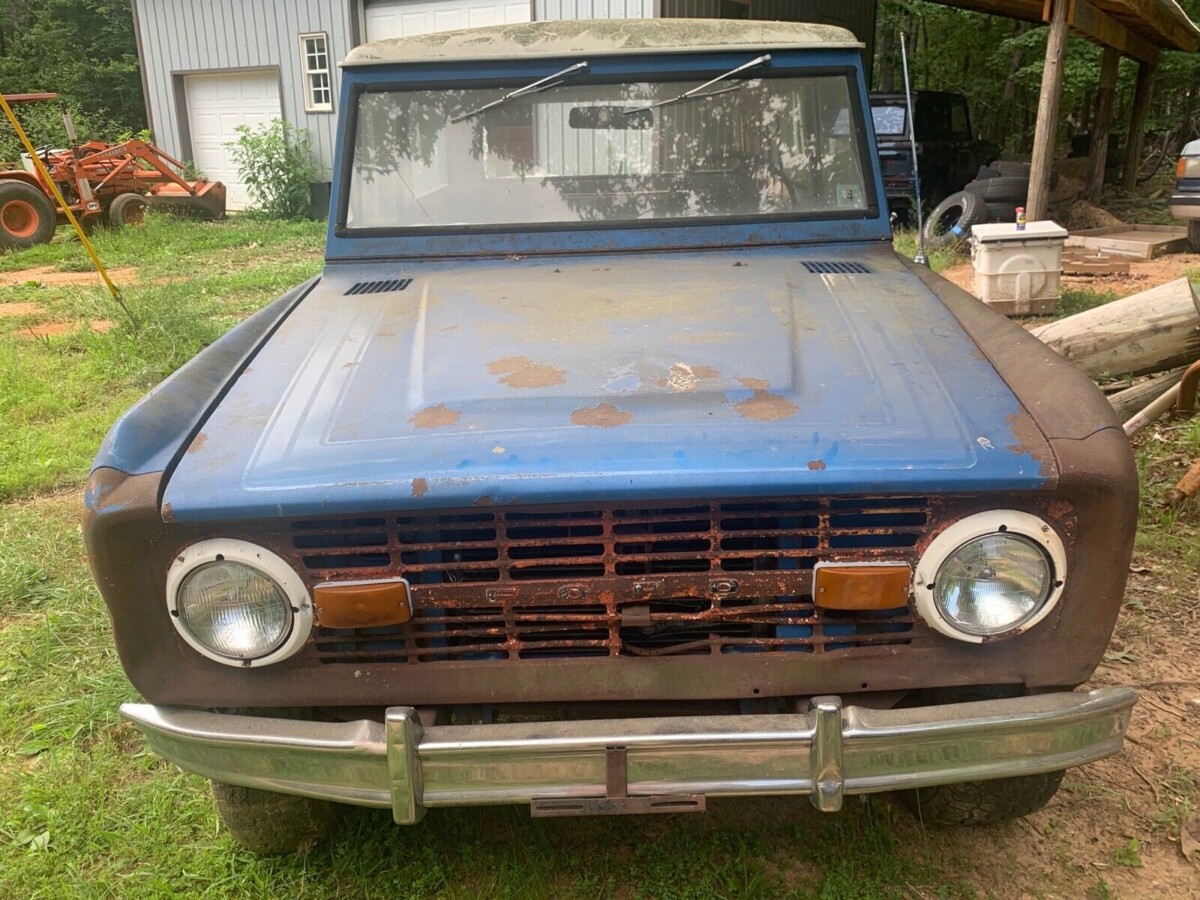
x,y
654,580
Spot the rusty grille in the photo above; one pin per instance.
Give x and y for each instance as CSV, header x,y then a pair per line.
x,y
661,580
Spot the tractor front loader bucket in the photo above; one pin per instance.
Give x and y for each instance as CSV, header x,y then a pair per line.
x,y
204,200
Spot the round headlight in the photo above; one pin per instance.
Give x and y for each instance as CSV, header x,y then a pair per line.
x,y
993,574
237,603
993,583
234,610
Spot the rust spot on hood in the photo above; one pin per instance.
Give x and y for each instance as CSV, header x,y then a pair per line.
x,y
419,487
197,442
764,406
817,465
682,377
436,417
1028,439
168,514
519,372
603,415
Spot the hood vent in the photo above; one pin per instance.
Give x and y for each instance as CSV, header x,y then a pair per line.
x,y
378,287
837,268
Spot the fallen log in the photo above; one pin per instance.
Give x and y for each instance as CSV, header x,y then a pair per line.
x,y
1148,332
1152,413
1129,400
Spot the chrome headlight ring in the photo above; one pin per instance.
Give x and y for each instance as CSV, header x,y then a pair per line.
x,y
265,563
993,522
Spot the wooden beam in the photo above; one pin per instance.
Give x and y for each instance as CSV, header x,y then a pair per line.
x,y
1090,22
1137,124
1046,136
1102,124
1163,17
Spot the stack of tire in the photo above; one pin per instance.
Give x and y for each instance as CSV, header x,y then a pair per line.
x,y
993,196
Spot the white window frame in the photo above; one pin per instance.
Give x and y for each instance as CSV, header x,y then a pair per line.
x,y
309,71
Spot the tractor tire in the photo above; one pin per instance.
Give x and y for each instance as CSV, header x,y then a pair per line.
x,y
951,221
272,824
981,802
127,209
1009,169
1006,187
1004,211
27,216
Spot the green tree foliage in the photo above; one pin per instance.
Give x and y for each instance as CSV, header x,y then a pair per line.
x,y
277,165
86,51
997,63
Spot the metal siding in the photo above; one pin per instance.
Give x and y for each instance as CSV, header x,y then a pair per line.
x,y
213,35
554,10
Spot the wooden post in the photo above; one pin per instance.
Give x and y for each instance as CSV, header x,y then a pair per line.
x,y
1137,124
1046,135
1102,124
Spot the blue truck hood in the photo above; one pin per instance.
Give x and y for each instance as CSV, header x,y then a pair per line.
x,y
517,381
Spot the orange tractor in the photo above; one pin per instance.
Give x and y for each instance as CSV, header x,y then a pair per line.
x,y
101,183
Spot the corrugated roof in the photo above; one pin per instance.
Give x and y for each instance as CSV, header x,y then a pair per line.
x,y
601,37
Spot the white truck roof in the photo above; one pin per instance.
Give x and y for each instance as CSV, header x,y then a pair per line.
x,y
602,37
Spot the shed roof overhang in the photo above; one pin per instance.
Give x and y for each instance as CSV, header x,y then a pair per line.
x,y
1137,28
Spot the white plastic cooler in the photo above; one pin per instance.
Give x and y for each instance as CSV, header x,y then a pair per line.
x,y
1018,272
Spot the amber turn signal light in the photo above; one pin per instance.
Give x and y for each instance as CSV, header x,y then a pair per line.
x,y
362,604
855,586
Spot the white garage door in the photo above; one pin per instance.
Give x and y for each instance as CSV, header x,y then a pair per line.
x,y
401,18
217,105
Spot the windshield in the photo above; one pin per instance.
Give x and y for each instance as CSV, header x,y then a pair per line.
x,y
577,152
889,120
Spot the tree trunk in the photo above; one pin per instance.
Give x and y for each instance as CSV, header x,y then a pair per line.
x,y
1132,399
1148,332
887,60
1102,125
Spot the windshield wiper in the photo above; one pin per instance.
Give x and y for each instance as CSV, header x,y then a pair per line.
x,y
542,84
695,93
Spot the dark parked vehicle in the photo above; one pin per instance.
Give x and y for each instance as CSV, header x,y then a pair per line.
x,y
614,462
949,152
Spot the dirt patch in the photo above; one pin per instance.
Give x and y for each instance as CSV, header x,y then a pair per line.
x,y
48,275
436,417
12,310
1143,275
56,329
519,372
603,415
764,406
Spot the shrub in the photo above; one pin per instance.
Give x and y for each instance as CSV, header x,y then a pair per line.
x,y
277,165
44,125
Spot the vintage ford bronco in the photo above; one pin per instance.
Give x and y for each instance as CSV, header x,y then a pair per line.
x,y
615,462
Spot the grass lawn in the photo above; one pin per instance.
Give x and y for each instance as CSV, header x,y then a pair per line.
x,y
86,810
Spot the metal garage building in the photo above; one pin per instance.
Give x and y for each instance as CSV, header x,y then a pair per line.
x,y
209,66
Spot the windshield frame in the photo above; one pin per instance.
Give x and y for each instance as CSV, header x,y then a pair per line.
x,y
531,237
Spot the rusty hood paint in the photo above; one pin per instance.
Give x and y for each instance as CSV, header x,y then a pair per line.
x,y
518,381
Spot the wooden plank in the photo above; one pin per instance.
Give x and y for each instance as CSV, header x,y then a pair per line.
x,y
1134,241
1160,17
1102,124
1137,125
1092,23
1049,100
1095,266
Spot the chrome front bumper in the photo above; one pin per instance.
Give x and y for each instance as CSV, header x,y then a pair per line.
x,y
641,765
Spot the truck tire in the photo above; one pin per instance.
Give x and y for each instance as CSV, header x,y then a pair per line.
x,y
1006,187
1194,235
272,824
26,216
981,802
1009,169
951,221
127,209
1002,211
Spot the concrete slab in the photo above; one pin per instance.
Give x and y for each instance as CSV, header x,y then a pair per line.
x,y
1132,241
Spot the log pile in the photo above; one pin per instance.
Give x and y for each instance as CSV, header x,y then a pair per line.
x,y
1148,341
